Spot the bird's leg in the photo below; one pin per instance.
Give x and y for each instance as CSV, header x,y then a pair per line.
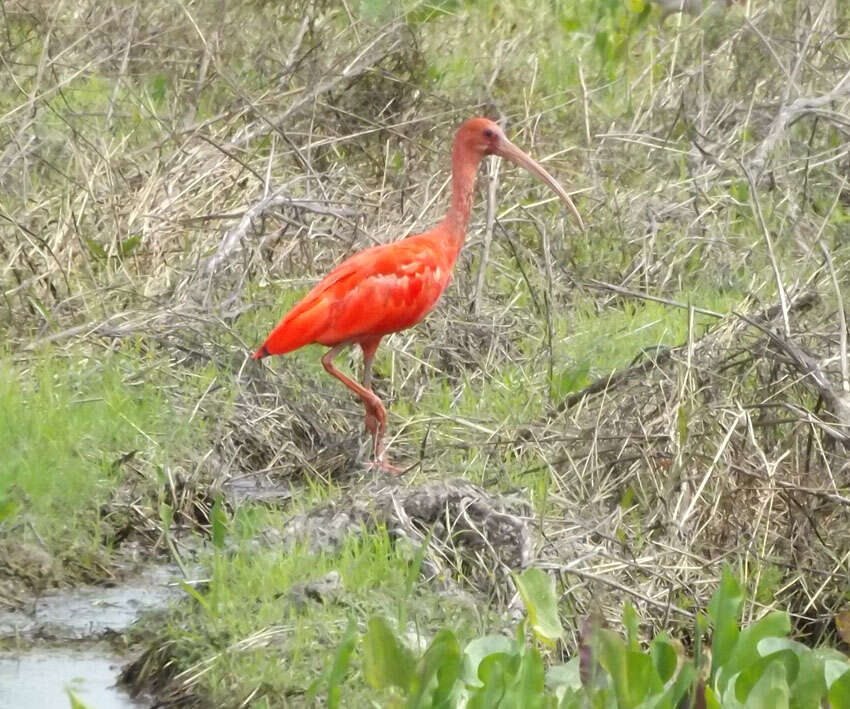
x,y
369,348
376,417
373,405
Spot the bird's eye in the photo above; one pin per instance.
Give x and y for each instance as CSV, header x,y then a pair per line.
x,y
488,133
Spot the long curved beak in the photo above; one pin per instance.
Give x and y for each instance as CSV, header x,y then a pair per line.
x,y
511,152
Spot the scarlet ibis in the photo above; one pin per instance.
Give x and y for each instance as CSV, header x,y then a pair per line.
x,y
391,287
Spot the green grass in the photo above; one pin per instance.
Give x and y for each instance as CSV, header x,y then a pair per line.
x,y
66,423
602,343
253,640
586,344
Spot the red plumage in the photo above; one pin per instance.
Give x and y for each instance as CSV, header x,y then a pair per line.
x,y
373,293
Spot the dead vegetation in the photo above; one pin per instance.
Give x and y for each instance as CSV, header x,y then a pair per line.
x,y
163,178
724,448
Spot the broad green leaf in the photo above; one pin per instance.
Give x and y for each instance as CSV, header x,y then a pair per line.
x,y
448,670
566,675
611,653
711,701
809,689
826,654
839,692
492,665
642,678
723,611
537,590
520,635
526,690
728,700
386,661
771,691
664,658
632,624
632,671
752,674
767,646
570,698
478,649
494,673
773,625
683,684
833,669
442,661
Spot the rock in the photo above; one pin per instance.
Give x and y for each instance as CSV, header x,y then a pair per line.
x,y
324,590
488,535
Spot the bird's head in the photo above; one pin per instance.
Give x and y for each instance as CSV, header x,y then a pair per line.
x,y
481,136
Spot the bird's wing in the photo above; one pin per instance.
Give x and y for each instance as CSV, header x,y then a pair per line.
x,y
375,292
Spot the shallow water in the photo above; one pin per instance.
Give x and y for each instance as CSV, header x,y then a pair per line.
x,y
39,678
91,611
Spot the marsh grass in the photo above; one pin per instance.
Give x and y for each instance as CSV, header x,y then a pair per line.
x,y
69,426
248,631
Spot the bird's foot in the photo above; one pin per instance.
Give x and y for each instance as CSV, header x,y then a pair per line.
x,y
381,463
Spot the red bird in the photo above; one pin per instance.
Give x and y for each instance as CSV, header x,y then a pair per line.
x,y
391,287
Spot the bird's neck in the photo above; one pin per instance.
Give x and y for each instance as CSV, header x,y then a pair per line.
x,y
464,170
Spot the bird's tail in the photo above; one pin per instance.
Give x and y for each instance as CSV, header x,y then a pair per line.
x,y
299,327
260,353
284,338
